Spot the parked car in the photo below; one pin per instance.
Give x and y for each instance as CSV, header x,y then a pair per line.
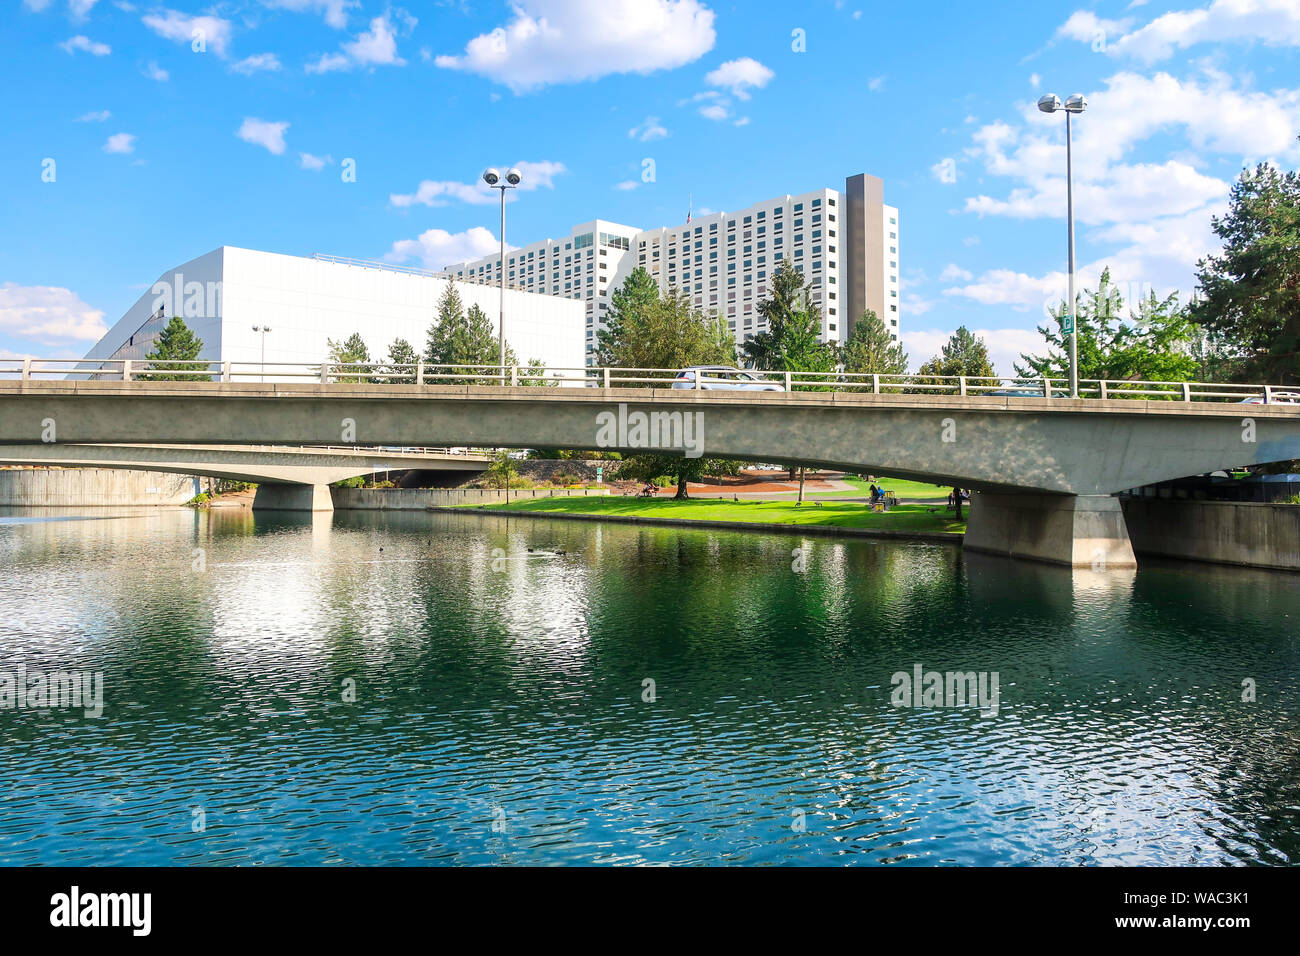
x,y
1027,391
1279,398
724,377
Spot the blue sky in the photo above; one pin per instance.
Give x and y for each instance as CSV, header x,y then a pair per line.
x,y
139,136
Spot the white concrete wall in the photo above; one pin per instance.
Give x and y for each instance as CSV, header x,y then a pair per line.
x,y
306,302
93,487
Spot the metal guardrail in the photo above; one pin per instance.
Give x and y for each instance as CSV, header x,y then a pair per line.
x,y
419,373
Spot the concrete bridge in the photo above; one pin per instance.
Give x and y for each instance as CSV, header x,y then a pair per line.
x,y
1046,469
289,478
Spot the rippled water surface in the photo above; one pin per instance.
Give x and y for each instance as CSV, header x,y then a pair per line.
x,y
501,711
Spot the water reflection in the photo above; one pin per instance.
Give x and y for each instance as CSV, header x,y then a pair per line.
x,y
500,674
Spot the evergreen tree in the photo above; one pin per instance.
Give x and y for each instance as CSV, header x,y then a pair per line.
x,y
176,345
348,352
1249,300
871,349
628,305
791,341
963,355
667,332
401,353
458,337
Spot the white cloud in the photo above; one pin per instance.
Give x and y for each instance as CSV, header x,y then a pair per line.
x,y
536,175
954,273
648,130
261,133
628,185
375,47
1035,80
740,76
743,121
1005,346
567,41
1270,22
87,45
256,63
49,315
714,111
36,6
876,84
945,170
437,248
80,9
156,73
214,32
308,161
334,11
120,143
97,116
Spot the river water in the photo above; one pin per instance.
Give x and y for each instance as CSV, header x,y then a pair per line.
x,y
379,688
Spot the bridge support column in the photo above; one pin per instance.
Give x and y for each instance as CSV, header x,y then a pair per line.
x,y
1084,531
293,498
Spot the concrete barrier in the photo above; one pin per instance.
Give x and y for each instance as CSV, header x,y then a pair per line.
x,y
93,488
1246,533
421,499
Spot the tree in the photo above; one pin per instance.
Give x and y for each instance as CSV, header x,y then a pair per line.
x,y
348,352
963,355
534,374
871,349
502,472
1249,296
401,353
664,332
458,337
722,340
1153,344
176,345
628,305
792,339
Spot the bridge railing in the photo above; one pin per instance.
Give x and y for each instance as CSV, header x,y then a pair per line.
x,y
420,373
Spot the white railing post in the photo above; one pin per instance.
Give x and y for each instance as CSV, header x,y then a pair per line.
x,y
514,381
789,384
419,371
1047,387
27,369
961,385
1187,391
324,373
126,370
1268,394
699,379
875,383
1104,392
605,376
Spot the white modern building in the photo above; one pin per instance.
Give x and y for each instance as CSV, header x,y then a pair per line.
x,y
305,302
846,242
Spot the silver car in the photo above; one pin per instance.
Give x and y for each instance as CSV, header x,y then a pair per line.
x,y
1279,398
724,377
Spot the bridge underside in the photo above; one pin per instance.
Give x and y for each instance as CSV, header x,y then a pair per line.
x,y
1039,452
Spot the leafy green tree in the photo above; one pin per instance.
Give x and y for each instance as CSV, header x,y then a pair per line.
x,y
963,355
502,472
351,350
1249,296
666,332
628,306
871,349
722,340
401,353
534,374
791,341
1153,344
176,345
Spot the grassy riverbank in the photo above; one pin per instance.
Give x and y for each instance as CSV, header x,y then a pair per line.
x,y
912,518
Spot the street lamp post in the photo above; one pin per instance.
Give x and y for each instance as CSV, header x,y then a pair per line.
x,y
1050,103
263,329
493,178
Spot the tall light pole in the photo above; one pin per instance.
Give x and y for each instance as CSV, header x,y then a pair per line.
x,y
1050,103
263,329
512,179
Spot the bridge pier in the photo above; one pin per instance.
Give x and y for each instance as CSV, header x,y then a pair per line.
x,y
293,498
1081,531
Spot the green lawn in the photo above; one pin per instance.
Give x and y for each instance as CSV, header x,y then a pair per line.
x,y
831,514
904,489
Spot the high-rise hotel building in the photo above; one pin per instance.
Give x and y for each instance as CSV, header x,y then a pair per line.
x,y
846,243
